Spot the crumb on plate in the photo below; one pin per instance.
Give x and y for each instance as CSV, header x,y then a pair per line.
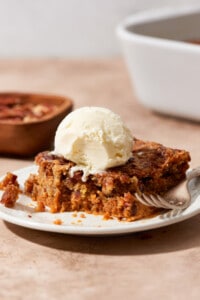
x,y
11,189
82,215
57,222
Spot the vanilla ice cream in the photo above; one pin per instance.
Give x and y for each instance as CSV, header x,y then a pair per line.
x,y
95,139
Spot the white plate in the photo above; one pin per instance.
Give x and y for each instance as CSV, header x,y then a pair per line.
x,y
23,214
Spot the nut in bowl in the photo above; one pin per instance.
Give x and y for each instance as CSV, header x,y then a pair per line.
x,y
28,121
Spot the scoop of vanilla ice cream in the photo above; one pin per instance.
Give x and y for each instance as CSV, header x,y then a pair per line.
x,y
95,139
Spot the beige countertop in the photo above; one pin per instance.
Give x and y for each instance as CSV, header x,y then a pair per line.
x,y
158,264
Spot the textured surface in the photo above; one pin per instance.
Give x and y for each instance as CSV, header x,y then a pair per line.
x,y
159,264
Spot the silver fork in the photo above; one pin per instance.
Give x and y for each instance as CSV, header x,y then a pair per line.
x,y
177,198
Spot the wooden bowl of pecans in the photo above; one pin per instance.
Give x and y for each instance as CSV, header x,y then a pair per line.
x,y
28,121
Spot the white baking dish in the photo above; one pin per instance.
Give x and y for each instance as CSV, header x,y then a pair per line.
x,y
165,70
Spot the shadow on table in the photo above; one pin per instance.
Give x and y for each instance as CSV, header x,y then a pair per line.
x,y
184,235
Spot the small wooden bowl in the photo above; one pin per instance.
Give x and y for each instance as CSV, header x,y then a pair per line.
x,y
28,138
